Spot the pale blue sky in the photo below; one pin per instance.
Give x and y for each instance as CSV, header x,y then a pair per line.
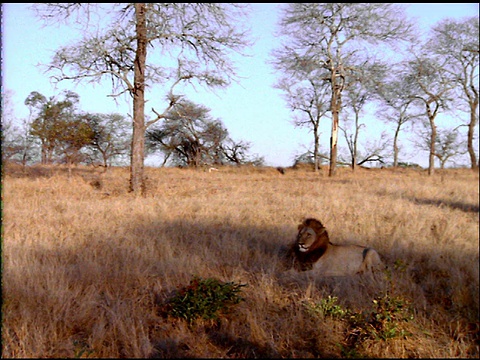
x,y
252,111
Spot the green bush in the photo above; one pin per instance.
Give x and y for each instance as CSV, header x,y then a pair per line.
x,y
386,319
327,307
204,298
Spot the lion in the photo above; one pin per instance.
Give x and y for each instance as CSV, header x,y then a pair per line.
x,y
313,251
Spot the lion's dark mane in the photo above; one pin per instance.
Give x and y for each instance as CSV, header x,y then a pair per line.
x,y
303,261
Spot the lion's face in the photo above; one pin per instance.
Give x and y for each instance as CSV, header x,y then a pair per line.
x,y
312,235
306,238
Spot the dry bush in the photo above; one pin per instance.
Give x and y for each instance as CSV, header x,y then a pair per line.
x,y
87,266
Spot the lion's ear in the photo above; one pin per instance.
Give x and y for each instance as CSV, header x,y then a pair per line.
x,y
300,227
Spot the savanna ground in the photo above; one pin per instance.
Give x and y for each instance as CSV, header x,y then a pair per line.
x,y
88,267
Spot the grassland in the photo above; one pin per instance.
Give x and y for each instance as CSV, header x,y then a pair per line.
x,y
88,267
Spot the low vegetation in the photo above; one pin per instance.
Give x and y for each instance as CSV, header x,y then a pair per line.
x,y
194,268
204,299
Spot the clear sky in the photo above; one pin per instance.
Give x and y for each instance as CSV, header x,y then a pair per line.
x,y
252,110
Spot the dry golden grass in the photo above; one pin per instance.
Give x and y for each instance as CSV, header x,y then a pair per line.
x,y
87,266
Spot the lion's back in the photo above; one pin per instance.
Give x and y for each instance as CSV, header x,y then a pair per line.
x,y
344,260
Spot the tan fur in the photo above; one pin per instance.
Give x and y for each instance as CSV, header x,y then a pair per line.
x,y
327,259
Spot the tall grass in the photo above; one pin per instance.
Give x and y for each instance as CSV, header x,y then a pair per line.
x,y
87,267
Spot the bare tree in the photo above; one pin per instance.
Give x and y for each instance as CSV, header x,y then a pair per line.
x,y
11,146
395,95
352,139
448,144
360,91
456,41
190,135
332,36
306,157
373,151
305,93
432,90
22,148
16,140
193,43
238,153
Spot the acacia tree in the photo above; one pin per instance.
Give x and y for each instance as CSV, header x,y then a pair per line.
x,y
432,87
237,152
73,135
456,41
371,154
10,145
111,137
305,93
357,100
448,144
193,43
361,90
331,38
17,143
51,116
395,94
190,134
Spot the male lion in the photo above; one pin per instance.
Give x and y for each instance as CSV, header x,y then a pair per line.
x,y
313,251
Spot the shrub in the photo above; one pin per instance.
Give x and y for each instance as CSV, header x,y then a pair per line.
x,y
384,321
327,307
204,298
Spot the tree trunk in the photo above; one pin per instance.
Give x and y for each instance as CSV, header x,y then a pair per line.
x,y
105,163
315,148
431,158
471,130
49,155
335,107
337,78
355,142
395,147
69,165
44,153
137,181
333,144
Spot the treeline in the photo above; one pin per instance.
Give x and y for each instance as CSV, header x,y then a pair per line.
x,y
334,61
338,59
57,131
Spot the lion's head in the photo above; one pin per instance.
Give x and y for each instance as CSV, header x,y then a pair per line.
x,y
311,243
312,236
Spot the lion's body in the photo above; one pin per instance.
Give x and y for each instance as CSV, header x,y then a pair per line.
x,y
342,260
312,251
